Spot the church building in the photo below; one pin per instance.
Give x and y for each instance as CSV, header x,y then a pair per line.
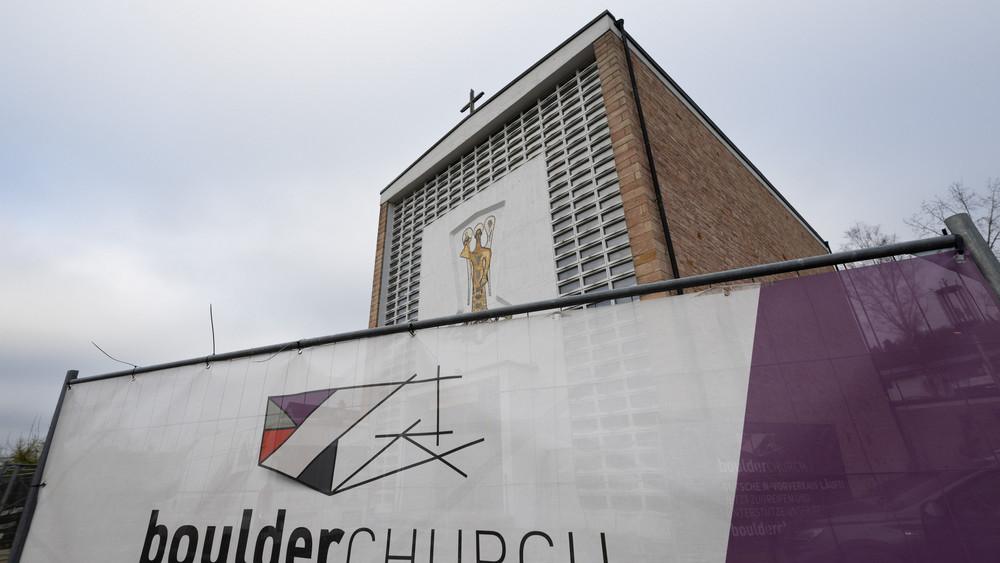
x,y
592,170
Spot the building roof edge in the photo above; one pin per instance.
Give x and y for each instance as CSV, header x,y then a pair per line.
x,y
499,106
724,138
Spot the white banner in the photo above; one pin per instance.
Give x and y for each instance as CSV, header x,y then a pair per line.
x,y
608,434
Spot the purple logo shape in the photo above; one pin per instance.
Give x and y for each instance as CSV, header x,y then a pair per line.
x,y
333,440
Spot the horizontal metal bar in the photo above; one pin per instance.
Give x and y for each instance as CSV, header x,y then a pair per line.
x,y
826,260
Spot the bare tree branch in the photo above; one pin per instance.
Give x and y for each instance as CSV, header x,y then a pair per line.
x,y
983,207
862,235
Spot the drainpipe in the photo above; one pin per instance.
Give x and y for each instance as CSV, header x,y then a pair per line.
x,y
649,155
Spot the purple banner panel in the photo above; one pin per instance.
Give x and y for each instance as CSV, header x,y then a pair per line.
x,y
872,426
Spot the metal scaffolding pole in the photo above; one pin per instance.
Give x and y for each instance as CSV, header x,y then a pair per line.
x,y
962,225
704,280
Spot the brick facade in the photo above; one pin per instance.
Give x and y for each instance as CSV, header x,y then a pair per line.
x,y
377,279
649,246
719,214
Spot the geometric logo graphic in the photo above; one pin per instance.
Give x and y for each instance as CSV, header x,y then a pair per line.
x,y
760,444
337,439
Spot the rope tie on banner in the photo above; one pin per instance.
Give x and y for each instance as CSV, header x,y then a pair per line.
x,y
412,332
280,350
211,320
298,347
134,367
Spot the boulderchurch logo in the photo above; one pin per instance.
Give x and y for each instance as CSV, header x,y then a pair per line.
x,y
337,439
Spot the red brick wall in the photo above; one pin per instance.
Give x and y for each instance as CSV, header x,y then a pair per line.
x,y
649,248
720,216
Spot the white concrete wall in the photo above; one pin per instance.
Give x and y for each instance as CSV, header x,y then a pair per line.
x,y
522,267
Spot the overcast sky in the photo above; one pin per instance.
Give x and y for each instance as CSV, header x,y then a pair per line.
x,y
157,157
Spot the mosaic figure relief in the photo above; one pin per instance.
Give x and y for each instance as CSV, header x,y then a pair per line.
x,y
478,262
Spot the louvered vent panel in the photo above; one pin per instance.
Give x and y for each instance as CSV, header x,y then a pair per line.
x,y
569,129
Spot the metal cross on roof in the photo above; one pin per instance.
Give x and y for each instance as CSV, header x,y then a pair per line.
x,y
471,106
